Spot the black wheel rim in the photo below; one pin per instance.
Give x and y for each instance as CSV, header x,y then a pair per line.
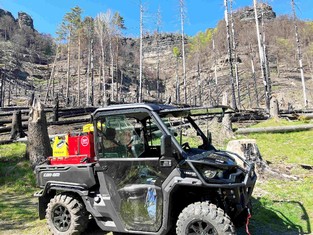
x,y
61,218
201,227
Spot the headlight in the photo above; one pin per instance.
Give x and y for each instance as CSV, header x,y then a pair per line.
x,y
209,174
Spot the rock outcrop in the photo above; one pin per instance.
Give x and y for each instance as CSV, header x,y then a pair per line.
x,y
6,13
25,20
264,10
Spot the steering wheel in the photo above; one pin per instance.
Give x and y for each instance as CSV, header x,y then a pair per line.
x,y
186,146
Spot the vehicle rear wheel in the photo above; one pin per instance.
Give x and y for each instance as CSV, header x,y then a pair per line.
x,y
204,218
66,215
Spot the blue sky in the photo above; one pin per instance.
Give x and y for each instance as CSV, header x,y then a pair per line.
x,y
201,14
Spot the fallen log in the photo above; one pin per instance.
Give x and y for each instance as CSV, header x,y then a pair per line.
x,y
71,121
6,142
276,129
8,128
5,114
7,121
63,122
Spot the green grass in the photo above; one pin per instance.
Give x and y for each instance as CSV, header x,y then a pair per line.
x,y
284,148
280,122
284,206
15,172
12,152
17,185
294,147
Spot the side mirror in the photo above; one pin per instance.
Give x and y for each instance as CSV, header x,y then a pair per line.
x,y
166,146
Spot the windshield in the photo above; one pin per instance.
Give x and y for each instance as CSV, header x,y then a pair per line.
x,y
188,133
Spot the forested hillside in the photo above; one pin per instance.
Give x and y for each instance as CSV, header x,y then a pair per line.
x,y
91,62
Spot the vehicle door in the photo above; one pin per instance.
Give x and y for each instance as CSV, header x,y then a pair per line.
x,y
130,161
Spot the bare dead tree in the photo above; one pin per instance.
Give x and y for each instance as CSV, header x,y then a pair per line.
x,y
140,53
266,62
9,93
229,45
176,53
110,31
88,25
68,70
215,62
52,75
159,22
78,66
100,30
234,49
254,77
261,55
182,24
299,53
92,73
2,90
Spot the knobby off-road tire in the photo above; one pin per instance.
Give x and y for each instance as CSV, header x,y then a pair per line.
x,y
66,215
204,218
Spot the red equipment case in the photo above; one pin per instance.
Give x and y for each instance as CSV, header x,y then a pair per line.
x,y
80,149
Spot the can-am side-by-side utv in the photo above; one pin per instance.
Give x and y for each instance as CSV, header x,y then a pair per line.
x,y
145,169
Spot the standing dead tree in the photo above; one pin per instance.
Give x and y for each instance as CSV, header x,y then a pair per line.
x,y
2,90
38,146
99,24
51,79
182,23
299,54
176,53
254,77
17,128
140,53
88,25
158,24
235,54
262,57
229,45
215,61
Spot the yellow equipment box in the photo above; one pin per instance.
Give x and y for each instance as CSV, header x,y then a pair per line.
x,y
60,147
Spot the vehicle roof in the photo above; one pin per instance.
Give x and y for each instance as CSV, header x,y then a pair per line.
x,y
164,108
149,106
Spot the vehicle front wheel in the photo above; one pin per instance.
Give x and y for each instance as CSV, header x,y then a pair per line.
x,y
204,218
66,215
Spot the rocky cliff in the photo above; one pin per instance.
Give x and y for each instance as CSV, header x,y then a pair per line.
x,y
25,20
24,56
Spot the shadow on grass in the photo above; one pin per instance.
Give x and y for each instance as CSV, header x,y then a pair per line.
x,y
267,219
16,211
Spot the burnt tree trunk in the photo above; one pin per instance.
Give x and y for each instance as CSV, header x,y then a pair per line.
x,y
17,127
56,110
227,126
38,146
249,151
274,108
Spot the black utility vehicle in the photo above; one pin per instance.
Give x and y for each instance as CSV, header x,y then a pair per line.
x,y
155,172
